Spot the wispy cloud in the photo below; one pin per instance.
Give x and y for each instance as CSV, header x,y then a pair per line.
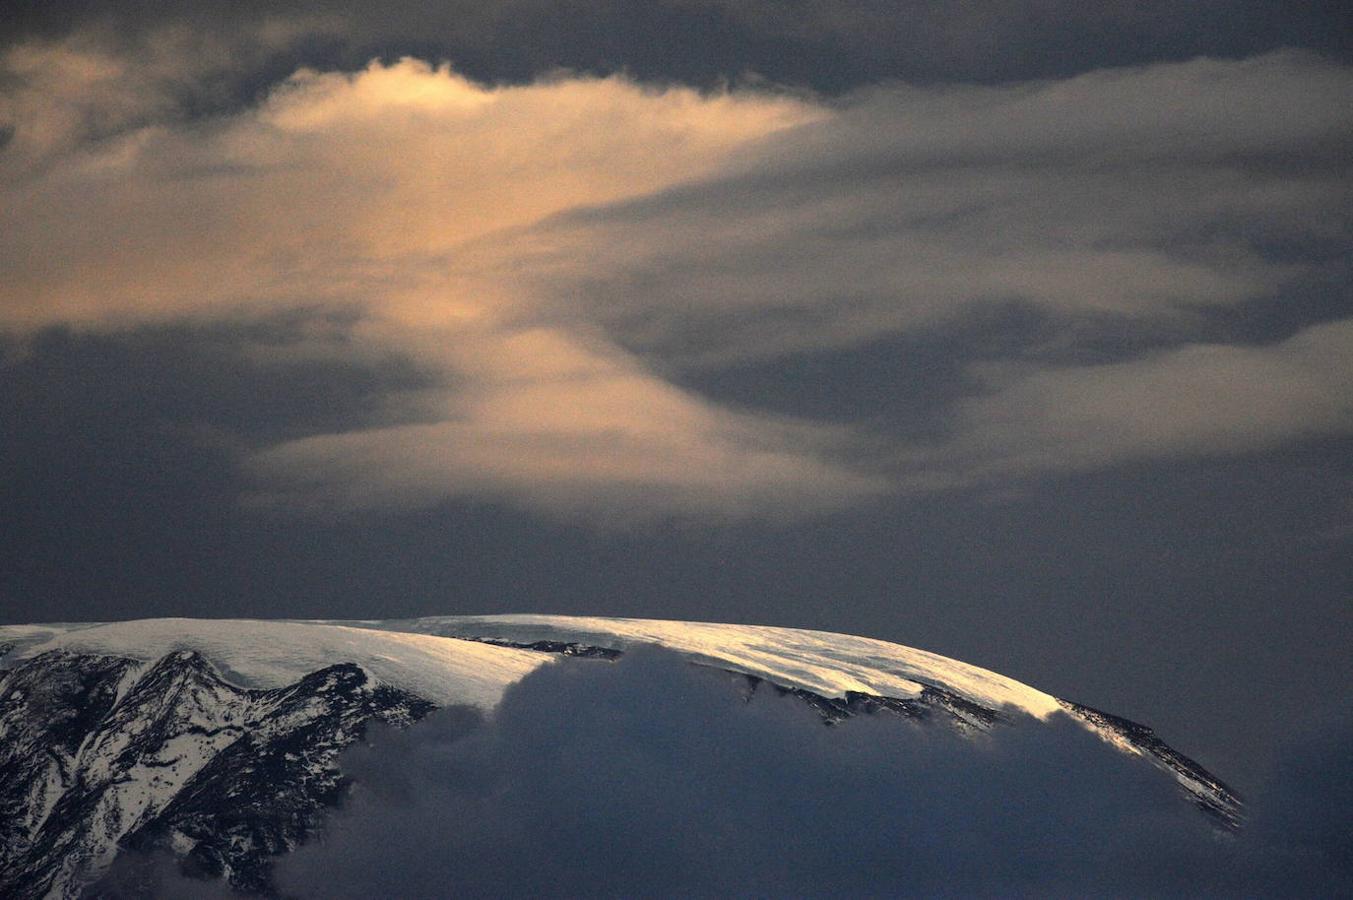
x,y
1133,194
551,255
1197,399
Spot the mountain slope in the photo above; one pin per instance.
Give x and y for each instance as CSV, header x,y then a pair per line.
x,y
845,672
219,740
100,752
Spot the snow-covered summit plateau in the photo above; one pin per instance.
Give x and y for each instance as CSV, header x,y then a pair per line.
x,y
218,740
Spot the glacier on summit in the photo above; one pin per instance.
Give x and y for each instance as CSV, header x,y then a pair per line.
x,y
219,741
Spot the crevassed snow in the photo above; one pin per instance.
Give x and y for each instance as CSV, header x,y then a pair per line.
x,y
272,654
823,662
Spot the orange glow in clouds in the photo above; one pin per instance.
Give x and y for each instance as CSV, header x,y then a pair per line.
x,y
387,191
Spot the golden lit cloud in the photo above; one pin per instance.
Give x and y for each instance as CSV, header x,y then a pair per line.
x,y
380,192
549,254
339,187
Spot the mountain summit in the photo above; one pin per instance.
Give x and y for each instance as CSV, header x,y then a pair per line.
x,y
219,741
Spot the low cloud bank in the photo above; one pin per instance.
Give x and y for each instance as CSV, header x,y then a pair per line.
x,y
650,777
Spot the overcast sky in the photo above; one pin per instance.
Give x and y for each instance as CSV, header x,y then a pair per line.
x,y
1017,331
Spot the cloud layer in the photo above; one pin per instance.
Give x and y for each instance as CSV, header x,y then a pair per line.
x,y
554,256
829,45
651,778
1195,399
373,194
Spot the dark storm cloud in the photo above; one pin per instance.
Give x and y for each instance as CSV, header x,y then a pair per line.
x,y
827,45
652,778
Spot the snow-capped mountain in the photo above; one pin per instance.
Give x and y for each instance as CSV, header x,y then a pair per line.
x,y
219,740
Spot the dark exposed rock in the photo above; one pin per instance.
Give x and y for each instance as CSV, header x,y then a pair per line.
x,y
561,647
101,753
1207,791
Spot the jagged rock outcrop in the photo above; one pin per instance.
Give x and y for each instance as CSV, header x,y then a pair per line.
x,y
99,753
105,757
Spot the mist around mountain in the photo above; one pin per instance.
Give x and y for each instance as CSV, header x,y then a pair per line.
x,y
622,768
643,778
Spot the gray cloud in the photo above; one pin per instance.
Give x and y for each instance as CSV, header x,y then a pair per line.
x,y
1133,194
1195,399
58,95
651,778
135,876
829,45
1136,202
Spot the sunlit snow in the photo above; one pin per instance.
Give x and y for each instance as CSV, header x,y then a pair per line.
x,y
423,656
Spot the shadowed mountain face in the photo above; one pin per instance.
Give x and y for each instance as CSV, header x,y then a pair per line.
x,y
101,754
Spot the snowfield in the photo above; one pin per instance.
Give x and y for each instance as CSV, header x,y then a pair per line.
x,y
220,739
273,654
819,661
444,659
